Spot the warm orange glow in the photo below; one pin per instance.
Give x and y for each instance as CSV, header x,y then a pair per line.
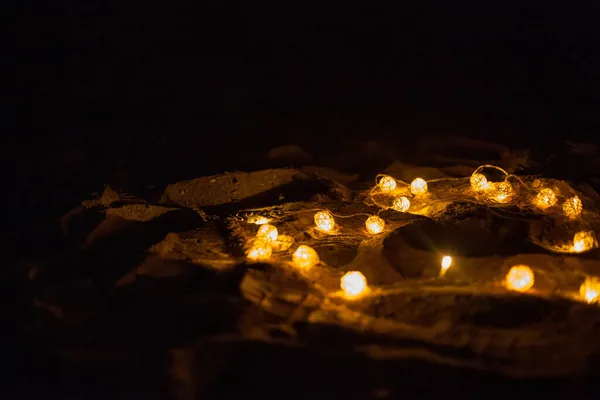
x,y
387,183
324,221
374,224
520,278
479,182
418,186
282,243
305,257
545,198
503,192
260,251
268,233
401,204
590,290
258,220
446,263
572,207
353,284
584,241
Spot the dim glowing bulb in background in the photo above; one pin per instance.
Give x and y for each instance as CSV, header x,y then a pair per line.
x,y
584,241
260,251
504,192
353,284
387,184
479,182
258,220
305,257
324,221
418,186
374,224
572,207
520,278
545,198
446,263
401,204
268,233
590,290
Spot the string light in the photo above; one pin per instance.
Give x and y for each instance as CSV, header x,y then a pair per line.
x,y
260,251
418,186
520,278
374,224
324,221
268,233
446,263
545,198
258,220
305,257
353,284
479,182
584,241
572,207
504,192
401,204
387,184
590,289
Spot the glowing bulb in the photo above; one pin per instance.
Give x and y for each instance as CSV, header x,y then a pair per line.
x,y
258,220
324,221
520,278
590,289
572,207
387,183
353,284
268,233
401,204
545,198
305,257
260,251
446,263
479,182
584,241
374,224
503,192
418,186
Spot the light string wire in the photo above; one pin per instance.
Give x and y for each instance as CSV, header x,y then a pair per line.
x,y
475,199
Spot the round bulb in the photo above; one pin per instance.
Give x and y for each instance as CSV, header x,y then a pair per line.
x,y
268,233
305,257
324,221
418,186
572,207
446,263
584,241
545,198
374,224
401,204
504,192
260,251
520,278
387,183
353,284
479,182
590,290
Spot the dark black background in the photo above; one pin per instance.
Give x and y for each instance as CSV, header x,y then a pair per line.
x,y
135,93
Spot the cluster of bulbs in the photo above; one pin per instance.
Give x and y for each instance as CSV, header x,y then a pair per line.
x,y
353,284
520,278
